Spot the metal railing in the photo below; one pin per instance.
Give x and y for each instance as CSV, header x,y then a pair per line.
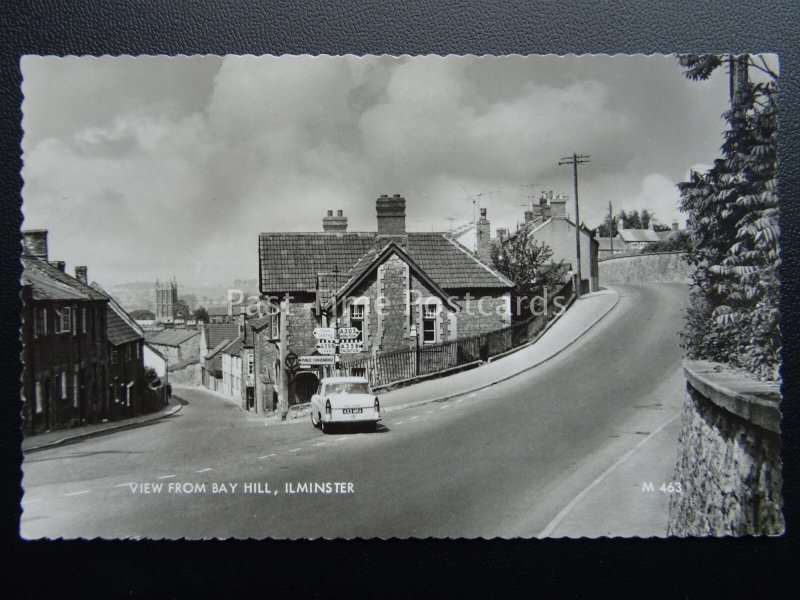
x,y
386,368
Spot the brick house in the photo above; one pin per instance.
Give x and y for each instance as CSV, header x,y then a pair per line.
x,y
65,347
398,288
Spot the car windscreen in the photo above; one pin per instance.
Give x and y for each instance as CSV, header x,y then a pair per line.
x,y
347,388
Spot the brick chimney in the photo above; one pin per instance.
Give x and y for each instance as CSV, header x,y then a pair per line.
x,y
391,215
334,223
502,232
529,216
484,243
675,226
558,206
34,242
544,207
81,274
59,264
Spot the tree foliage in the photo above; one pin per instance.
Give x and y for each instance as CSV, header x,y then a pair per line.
x,y
530,266
629,219
733,314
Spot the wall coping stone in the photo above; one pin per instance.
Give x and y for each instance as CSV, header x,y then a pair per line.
x,y
753,400
639,255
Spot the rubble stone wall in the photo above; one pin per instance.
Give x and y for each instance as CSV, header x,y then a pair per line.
x,y
729,466
663,267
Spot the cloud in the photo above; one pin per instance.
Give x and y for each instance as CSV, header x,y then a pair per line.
x,y
147,167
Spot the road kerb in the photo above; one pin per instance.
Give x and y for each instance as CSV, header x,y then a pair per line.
x,y
507,377
90,434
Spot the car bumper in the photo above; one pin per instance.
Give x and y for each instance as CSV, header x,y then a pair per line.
x,y
337,416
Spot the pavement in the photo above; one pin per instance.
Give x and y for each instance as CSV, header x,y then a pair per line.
x,y
50,439
575,322
569,448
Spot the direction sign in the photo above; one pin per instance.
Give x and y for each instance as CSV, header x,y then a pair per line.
x,y
317,360
348,333
324,333
326,348
351,347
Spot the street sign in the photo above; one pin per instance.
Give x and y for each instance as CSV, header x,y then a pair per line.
x,y
348,333
326,348
351,347
324,333
317,360
291,361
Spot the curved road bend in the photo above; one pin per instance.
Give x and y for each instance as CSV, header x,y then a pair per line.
x,y
502,462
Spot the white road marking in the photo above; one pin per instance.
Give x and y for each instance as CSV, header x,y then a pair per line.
x,y
398,423
267,455
444,407
472,395
204,470
459,400
124,484
166,477
342,439
320,444
295,449
547,531
78,493
31,501
415,417
427,412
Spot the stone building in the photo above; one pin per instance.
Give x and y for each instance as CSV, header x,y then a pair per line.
x,y
65,351
128,395
166,301
177,345
213,339
397,288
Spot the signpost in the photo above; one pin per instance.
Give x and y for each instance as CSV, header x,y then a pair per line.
x,y
317,360
325,333
348,333
351,347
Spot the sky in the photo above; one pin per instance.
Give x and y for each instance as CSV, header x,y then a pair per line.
x,y
148,167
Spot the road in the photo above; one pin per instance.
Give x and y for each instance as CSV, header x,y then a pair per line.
x,y
510,461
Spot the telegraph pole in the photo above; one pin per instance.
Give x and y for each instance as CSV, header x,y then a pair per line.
x,y
611,227
575,160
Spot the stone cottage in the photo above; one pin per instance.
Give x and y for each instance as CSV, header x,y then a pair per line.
x,y
396,288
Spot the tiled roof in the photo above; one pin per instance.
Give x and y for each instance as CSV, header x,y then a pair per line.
x,y
49,283
639,235
291,261
121,328
605,244
216,332
216,349
170,337
234,348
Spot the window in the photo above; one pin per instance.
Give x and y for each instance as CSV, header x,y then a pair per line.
x,y
250,364
137,350
64,385
83,320
114,356
64,320
357,320
276,327
38,393
127,352
429,323
76,386
40,325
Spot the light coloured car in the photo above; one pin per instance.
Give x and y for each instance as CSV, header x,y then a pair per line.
x,y
344,400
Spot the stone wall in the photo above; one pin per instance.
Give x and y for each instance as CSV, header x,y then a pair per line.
x,y
664,267
487,310
728,465
188,375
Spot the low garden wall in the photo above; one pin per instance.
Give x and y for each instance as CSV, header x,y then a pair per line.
x,y
729,465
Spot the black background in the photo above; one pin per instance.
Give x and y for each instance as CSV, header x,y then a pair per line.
x,y
683,568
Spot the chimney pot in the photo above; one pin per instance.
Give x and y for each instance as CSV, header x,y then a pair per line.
x,y
334,223
483,214
81,275
339,213
528,216
330,213
59,264
34,243
675,226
